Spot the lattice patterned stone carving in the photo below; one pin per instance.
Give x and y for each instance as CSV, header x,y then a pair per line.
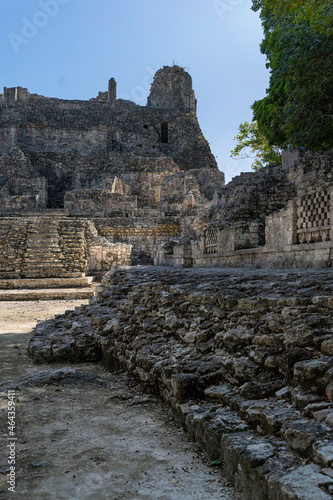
x,y
211,245
313,217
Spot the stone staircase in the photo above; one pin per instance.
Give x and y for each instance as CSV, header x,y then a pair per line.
x,y
43,256
43,259
47,289
17,295
73,246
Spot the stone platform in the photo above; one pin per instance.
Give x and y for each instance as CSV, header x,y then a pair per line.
x,y
245,357
47,289
12,284
47,294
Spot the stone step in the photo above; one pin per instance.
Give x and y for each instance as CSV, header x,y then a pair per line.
x,y
46,294
47,240
44,265
34,228
67,275
43,260
47,255
12,284
48,252
40,272
44,221
42,231
50,273
43,227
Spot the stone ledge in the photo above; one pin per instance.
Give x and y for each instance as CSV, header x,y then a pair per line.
x,y
47,294
235,352
12,284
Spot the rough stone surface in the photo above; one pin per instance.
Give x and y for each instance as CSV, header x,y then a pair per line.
x,y
305,483
127,171
261,429
145,181
80,439
277,217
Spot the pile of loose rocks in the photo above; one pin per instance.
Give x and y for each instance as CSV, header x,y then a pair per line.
x,y
243,356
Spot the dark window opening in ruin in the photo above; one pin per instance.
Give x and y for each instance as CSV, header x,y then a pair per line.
x,y
140,145
154,146
262,236
146,126
56,191
165,132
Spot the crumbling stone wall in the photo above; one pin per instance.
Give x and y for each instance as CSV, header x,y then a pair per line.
x,y
244,357
311,170
277,217
172,89
98,202
19,180
38,247
103,257
141,234
18,204
104,158
39,124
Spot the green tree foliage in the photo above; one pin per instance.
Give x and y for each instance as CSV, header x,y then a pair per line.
x,y
251,143
298,44
318,13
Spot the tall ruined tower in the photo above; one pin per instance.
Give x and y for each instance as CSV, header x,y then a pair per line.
x,y
172,89
70,170
112,90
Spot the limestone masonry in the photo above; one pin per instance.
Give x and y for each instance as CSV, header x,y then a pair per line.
x,y
87,185
244,356
278,217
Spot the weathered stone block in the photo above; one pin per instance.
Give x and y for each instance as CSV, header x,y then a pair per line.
x,y
305,483
300,434
185,386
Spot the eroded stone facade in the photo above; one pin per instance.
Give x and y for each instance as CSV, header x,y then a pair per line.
x,y
278,217
125,169
144,176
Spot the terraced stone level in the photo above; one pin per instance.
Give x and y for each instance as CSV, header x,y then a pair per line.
x,y
43,256
243,356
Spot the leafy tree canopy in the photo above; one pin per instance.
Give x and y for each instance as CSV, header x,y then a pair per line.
x,y
298,44
318,13
251,143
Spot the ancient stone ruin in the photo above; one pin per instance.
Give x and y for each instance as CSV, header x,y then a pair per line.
x,y
107,182
243,355
278,217
85,185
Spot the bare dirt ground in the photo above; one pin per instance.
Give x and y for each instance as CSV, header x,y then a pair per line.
x,y
92,435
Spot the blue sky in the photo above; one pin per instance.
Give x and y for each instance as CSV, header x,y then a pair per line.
x,y
70,48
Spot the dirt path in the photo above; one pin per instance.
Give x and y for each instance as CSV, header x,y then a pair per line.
x,y
91,435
